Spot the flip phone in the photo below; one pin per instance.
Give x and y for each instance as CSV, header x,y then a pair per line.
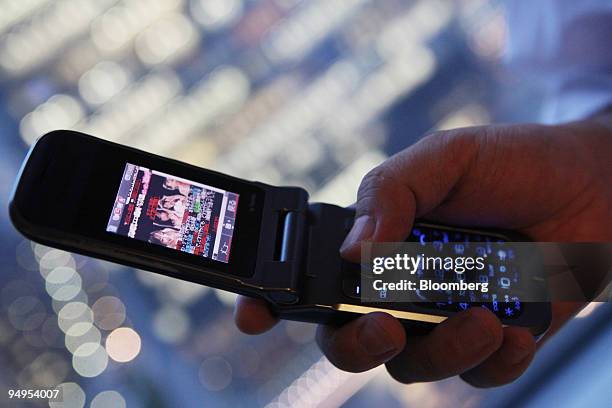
x,y
101,199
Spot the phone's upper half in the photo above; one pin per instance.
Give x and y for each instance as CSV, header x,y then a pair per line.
x,y
86,194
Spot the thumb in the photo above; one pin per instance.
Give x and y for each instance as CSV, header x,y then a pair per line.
x,y
406,186
385,210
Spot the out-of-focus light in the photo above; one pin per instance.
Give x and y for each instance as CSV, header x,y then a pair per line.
x,y
216,14
342,189
95,279
469,115
415,27
73,313
76,60
247,361
77,337
34,339
14,290
288,4
300,333
315,386
26,313
22,353
114,31
588,309
54,258
38,40
489,40
109,312
111,31
102,82
297,119
168,40
47,370
292,38
153,280
123,344
107,399
184,292
137,103
90,359
39,250
59,112
80,297
14,11
7,332
171,324
63,283
227,298
25,256
79,328
221,93
215,373
73,396
51,333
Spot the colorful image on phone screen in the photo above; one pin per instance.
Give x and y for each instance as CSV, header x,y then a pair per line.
x,y
170,211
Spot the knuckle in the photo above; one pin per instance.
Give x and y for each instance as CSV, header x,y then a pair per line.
x,y
458,141
373,180
370,188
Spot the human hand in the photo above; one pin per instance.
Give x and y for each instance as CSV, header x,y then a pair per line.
x,y
552,183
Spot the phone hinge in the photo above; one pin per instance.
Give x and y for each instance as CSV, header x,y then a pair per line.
x,y
288,255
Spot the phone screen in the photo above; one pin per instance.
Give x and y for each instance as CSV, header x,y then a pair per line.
x,y
173,212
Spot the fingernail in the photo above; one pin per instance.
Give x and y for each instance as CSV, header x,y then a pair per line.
x,y
362,229
375,340
514,355
473,335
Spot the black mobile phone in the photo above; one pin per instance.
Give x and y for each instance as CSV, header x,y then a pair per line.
x,y
86,195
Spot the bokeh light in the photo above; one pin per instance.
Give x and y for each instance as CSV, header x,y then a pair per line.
x,y
76,316
26,313
46,371
215,373
216,14
63,283
108,399
102,82
57,305
300,333
171,324
225,297
59,112
109,312
49,259
73,396
123,344
90,359
167,41
79,334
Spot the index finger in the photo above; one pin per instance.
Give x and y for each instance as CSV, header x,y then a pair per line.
x,y
253,316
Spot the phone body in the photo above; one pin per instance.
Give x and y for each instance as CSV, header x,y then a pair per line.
x,y
101,199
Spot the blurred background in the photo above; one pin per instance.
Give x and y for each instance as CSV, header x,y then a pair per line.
x,y
309,93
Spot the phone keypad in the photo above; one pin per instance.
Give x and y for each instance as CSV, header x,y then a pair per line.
x,y
501,273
